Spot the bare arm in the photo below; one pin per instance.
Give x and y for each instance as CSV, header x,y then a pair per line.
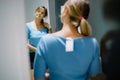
x,y
46,78
42,79
30,47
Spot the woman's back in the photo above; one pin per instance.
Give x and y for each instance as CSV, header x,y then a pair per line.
x,y
65,65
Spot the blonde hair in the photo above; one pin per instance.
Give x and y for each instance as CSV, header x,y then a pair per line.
x,y
78,11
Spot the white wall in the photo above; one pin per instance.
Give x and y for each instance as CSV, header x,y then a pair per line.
x,y
14,64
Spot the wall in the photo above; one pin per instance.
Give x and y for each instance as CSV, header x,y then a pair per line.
x,y
58,4
14,64
100,25
52,14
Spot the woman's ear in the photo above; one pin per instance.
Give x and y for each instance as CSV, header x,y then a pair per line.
x,y
65,16
66,11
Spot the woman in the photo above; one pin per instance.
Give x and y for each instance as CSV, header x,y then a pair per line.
x,y
69,54
35,30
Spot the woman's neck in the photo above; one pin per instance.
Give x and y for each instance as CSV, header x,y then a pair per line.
x,y
38,22
69,30
37,25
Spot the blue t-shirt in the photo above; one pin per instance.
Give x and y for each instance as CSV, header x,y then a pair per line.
x,y
51,54
35,35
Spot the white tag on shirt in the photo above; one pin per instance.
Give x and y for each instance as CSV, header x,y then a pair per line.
x,y
69,45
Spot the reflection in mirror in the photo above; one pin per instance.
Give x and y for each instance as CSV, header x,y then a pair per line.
x,y
35,29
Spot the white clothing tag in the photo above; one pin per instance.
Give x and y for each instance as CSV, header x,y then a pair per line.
x,y
69,45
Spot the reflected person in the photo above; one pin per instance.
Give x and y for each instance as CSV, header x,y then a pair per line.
x,y
35,30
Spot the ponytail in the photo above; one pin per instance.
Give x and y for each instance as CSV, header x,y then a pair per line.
x,y
85,27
